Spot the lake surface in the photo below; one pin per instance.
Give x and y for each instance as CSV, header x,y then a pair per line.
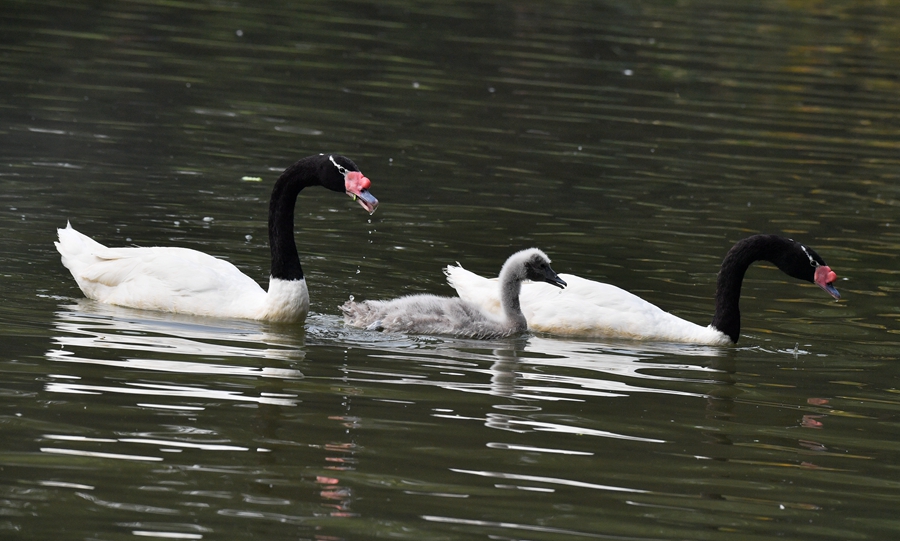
x,y
633,142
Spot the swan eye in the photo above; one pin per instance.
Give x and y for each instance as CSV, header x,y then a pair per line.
x,y
341,169
812,262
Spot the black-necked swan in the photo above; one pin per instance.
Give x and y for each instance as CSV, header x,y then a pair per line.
x,y
191,282
431,314
588,308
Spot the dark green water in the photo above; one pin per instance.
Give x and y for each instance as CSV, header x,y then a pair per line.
x,y
633,142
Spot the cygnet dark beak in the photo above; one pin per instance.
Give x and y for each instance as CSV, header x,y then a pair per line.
x,y
552,278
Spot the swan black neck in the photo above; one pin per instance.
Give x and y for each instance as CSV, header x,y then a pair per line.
x,y
285,260
772,248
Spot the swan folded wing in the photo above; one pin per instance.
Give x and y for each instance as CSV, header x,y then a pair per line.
x,y
170,279
588,308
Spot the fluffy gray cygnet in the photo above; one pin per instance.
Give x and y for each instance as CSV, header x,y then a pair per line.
x,y
431,314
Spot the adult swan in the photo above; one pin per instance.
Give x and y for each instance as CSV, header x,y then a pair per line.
x,y
588,308
191,282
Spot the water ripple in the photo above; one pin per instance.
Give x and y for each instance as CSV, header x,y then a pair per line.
x,y
548,480
170,391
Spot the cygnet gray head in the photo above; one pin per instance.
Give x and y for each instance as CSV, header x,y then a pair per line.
x,y
535,265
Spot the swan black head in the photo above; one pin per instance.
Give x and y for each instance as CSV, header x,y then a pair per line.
x,y
333,171
791,257
340,174
802,262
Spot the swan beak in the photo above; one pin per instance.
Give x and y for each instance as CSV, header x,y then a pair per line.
x,y
555,280
357,187
366,199
825,278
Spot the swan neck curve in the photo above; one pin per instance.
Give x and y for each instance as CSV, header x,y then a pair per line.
x,y
285,259
744,253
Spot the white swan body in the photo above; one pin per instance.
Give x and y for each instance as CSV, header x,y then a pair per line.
x,y
176,280
585,308
431,314
594,309
187,281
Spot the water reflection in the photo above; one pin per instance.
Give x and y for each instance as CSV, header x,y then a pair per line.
x,y
169,391
526,374
91,333
100,326
541,369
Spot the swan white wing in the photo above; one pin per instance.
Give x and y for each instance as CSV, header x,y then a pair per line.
x,y
159,278
585,308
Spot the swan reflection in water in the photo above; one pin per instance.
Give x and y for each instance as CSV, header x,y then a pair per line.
x,y
573,370
91,333
530,370
523,374
507,359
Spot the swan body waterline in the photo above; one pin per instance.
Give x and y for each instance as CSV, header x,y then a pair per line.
x,y
594,309
431,314
187,281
